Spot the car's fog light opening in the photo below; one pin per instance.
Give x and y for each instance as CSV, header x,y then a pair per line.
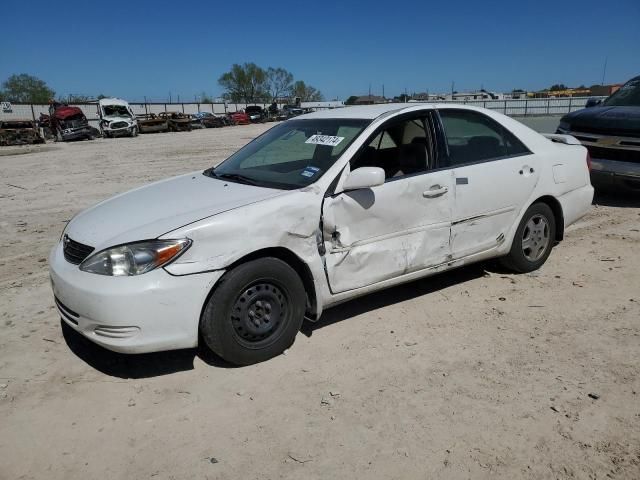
x,y
66,312
116,332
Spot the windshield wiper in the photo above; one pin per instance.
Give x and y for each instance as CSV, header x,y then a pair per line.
x,y
234,176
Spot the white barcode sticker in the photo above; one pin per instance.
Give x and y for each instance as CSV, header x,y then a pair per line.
x,y
328,140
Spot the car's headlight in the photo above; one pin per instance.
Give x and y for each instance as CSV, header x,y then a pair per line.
x,y
135,258
564,127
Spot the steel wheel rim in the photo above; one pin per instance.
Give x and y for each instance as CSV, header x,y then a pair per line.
x,y
535,238
260,314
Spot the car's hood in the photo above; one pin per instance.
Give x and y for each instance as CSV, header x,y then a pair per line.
x,y
150,211
62,113
618,120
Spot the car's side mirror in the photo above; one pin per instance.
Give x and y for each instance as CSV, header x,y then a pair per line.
x,y
592,102
364,177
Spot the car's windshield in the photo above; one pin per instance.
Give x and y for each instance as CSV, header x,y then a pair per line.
x,y
116,111
628,95
291,155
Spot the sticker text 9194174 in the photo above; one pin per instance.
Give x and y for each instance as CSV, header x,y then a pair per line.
x,y
328,140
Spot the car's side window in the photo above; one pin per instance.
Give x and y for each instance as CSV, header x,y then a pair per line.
x,y
400,149
473,137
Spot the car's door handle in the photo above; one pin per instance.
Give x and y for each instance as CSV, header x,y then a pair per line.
x,y
435,191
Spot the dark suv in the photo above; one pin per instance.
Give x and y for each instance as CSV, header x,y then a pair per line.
x,y
610,129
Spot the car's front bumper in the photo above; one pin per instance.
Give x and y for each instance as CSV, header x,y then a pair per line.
x,y
615,174
119,131
147,313
76,134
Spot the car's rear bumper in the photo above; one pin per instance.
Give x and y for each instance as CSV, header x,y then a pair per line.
x,y
151,312
576,203
615,174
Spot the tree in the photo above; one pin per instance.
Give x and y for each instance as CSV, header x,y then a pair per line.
x,y
26,88
351,100
305,92
204,98
278,82
558,86
76,98
244,83
101,96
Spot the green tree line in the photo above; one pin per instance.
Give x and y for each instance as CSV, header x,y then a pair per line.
x,y
251,83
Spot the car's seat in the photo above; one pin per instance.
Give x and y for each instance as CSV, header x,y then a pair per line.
x,y
412,158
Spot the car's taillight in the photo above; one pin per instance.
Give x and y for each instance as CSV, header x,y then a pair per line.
x,y
588,160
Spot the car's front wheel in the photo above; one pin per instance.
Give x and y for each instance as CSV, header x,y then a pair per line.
x,y
533,240
255,312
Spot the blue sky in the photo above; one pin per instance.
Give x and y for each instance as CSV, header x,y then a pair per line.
x,y
132,49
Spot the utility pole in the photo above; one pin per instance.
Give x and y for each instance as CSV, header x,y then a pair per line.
x,y
369,91
453,85
170,97
604,70
383,90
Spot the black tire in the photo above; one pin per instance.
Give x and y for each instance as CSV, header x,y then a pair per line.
x,y
533,240
255,312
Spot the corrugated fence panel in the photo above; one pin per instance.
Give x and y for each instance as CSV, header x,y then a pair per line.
x,y
515,107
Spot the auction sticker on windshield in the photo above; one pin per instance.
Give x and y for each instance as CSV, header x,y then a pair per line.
x,y
328,140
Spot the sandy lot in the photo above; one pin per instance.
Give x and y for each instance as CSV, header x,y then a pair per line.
x,y
471,374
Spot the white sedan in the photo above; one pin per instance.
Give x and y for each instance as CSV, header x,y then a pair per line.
x,y
316,211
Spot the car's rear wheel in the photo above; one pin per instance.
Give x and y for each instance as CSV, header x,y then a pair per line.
x,y
533,240
255,312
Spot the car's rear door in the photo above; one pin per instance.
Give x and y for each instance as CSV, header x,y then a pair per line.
x,y
371,235
494,177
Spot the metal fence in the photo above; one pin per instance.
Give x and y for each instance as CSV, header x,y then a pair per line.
x,y
529,106
524,107
22,111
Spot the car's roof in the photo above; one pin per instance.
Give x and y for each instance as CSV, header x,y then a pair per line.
x,y
358,111
370,112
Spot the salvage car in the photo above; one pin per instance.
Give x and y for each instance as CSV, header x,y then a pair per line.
x,y
318,210
69,123
152,123
256,113
239,118
19,132
116,118
178,122
610,129
206,120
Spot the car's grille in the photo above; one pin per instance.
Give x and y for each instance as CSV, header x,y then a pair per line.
x,y
600,131
74,123
118,124
614,154
75,252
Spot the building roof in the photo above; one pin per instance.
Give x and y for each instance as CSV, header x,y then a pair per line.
x,y
370,99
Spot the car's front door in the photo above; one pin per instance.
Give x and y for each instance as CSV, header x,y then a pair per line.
x,y
375,234
494,176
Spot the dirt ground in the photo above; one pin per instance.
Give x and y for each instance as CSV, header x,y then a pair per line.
x,y
471,374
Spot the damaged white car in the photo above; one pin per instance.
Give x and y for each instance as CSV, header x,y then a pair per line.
x,y
316,211
116,118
